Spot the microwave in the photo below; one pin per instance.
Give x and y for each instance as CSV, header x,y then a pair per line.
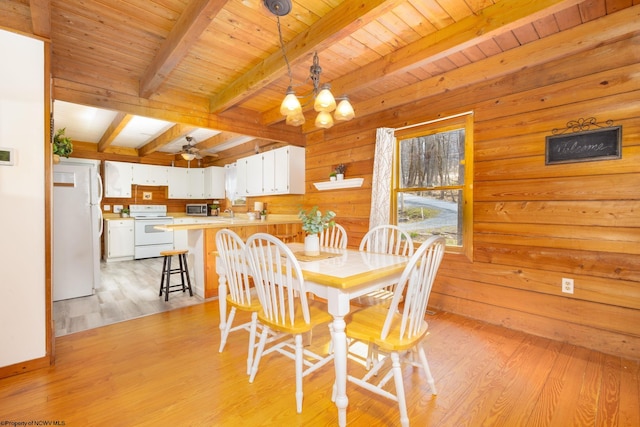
x,y
197,209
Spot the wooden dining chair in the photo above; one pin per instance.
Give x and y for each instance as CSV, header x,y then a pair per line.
x,y
241,295
285,307
334,237
388,239
397,331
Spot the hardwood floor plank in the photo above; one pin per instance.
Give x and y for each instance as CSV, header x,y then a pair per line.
x,y
629,394
165,369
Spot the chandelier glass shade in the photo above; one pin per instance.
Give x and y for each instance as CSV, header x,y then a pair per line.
x,y
188,156
323,100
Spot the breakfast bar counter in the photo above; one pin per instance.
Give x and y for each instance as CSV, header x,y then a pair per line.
x,y
201,242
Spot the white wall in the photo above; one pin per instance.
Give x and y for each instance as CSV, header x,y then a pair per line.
x,y
22,262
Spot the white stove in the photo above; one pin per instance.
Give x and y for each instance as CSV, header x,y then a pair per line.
x,y
148,240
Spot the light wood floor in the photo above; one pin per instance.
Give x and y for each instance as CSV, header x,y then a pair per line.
x,y
165,370
127,290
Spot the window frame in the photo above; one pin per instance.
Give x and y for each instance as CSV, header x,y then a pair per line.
x,y
429,128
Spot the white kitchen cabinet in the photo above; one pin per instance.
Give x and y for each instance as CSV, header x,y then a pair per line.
x,y
279,171
118,177
283,171
214,182
150,174
178,183
185,183
254,185
119,240
195,183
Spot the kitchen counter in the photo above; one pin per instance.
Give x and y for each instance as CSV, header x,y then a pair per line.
x,y
204,222
201,241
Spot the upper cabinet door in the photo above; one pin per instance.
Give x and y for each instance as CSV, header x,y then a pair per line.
x,y
150,174
178,183
214,182
118,177
195,183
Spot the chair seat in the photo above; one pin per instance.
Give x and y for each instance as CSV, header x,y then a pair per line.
x,y
254,305
366,324
174,252
317,313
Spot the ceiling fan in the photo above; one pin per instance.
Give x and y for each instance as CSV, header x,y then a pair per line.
x,y
190,152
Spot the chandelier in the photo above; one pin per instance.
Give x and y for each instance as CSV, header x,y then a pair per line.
x,y
324,103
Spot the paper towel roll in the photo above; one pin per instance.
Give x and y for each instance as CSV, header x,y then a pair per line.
x,y
258,206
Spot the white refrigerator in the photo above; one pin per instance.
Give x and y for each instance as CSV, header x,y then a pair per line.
x,y
77,228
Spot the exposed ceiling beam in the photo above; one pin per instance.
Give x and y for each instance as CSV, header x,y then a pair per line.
x,y
117,125
218,139
503,16
192,23
77,93
171,134
577,39
485,24
41,17
333,27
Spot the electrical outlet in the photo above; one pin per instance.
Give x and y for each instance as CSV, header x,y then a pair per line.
x,y
567,285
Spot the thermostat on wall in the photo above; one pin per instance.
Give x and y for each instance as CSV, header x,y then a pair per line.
x,y
7,156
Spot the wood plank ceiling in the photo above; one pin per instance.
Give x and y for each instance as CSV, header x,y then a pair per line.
x,y
218,65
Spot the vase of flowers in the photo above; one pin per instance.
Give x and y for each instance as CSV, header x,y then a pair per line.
x,y
313,222
340,169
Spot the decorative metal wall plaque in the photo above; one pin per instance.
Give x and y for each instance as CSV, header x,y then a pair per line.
x,y
584,140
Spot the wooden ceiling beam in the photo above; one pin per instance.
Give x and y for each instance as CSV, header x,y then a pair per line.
x,y
574,40
333,27
41,17
117,125
192,23
217,139
170,135
78,93
503,16
487,23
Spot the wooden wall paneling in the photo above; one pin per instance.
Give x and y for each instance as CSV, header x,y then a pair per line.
x,y
616,213
625,240
595,314
541,279
614,266
558,329
560,188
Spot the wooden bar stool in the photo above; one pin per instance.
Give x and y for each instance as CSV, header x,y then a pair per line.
x,y
167,271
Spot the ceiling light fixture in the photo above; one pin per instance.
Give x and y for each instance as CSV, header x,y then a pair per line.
x,y
188,156
323,100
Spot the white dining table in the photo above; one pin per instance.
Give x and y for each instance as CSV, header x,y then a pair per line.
x,y
344,275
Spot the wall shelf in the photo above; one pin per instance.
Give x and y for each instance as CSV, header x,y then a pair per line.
x,y
343,183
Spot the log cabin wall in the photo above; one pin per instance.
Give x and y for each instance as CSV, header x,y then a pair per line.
x,y
533,223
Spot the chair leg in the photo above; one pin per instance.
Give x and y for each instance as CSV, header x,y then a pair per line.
x,y
168,272
397,378
186,272
256,360
252,340
299,354
227,328
164,269
427,371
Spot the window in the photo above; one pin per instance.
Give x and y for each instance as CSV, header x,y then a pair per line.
x,y
433,177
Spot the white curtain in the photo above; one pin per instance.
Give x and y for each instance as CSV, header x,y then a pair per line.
x,y
382,174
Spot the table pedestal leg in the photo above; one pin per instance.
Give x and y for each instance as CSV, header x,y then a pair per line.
x,y
340,363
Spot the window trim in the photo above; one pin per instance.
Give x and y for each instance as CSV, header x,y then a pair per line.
x,y
429,128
